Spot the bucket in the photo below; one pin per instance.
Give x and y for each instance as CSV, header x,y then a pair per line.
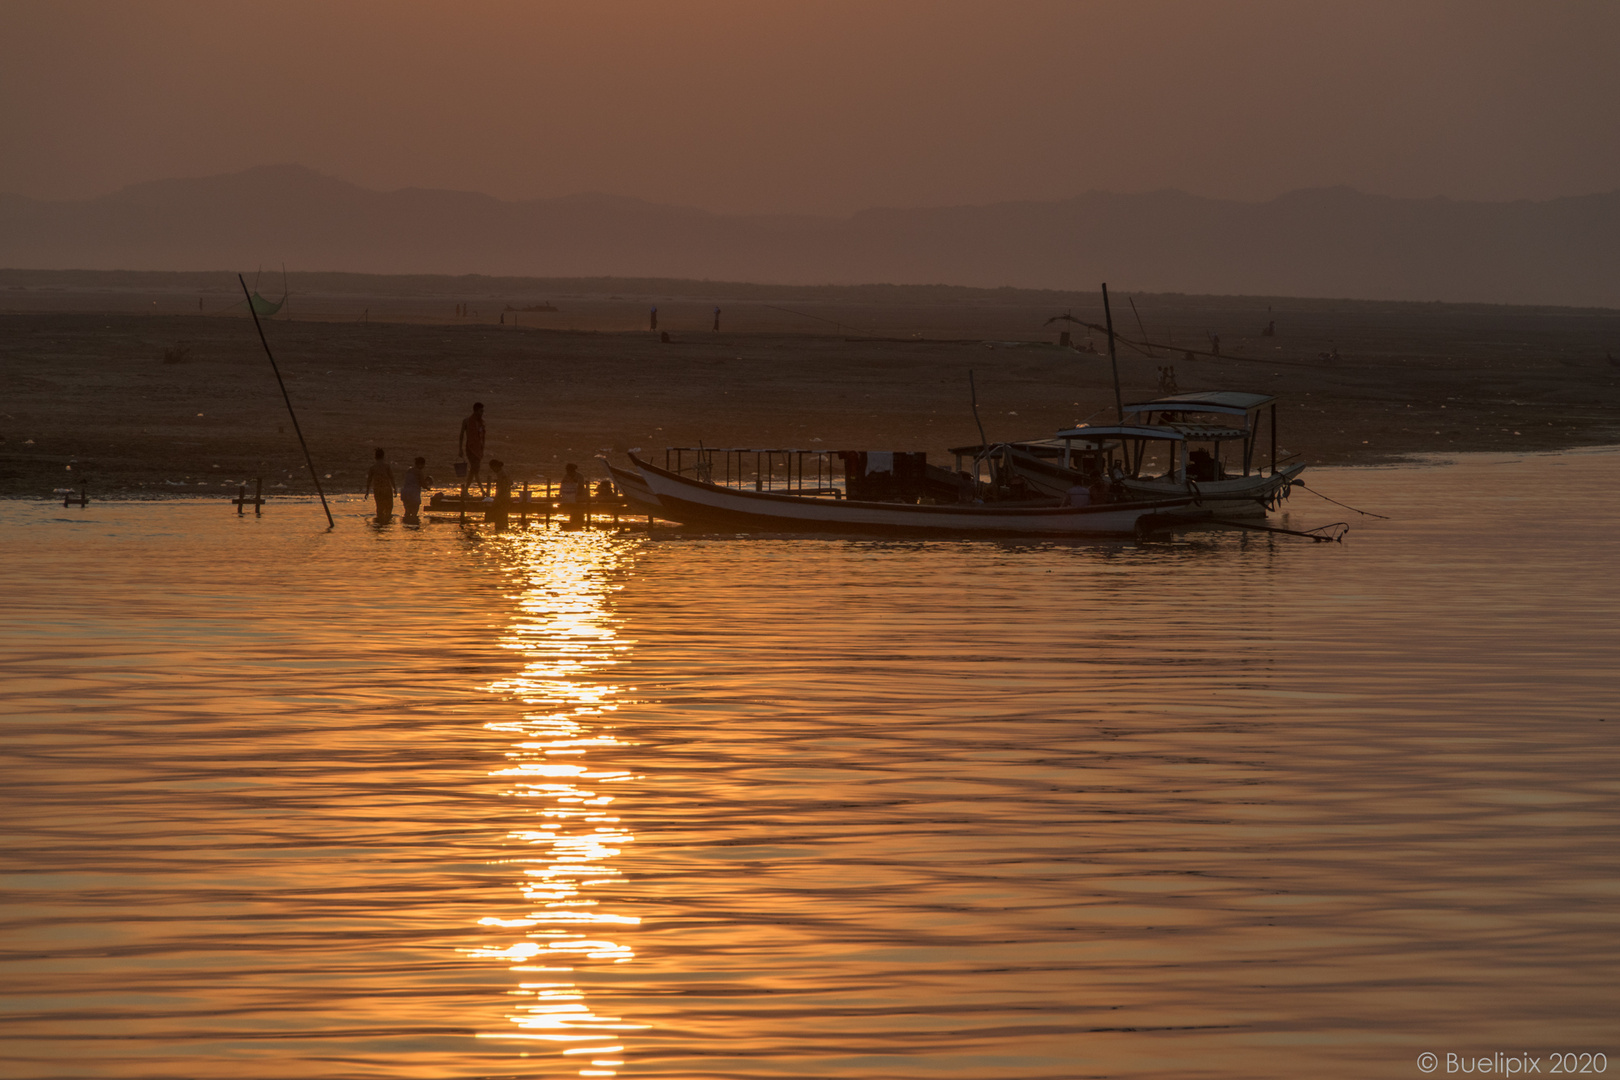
x,y
461,469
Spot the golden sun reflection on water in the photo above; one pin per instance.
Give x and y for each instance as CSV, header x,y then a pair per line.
x,y
568,643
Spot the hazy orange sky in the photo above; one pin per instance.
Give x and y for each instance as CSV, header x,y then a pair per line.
x,y
827,106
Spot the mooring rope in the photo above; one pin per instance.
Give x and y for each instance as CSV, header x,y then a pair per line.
x,y
1336,502
1322,534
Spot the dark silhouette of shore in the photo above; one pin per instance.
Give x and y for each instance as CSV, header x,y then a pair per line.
x,y
179,404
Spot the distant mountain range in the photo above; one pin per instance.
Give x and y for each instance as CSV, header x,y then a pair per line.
x,y
1327,242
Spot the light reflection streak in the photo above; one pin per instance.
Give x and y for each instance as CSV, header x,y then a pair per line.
x,y
567,640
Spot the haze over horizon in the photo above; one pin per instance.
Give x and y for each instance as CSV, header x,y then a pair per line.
x,y
294,168
1326,242
826,108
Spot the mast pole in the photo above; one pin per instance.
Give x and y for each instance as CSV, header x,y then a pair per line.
x,y
1113,357
330,524
984,443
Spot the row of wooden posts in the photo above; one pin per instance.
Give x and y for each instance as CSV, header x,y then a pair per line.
x,y
523,505
548,504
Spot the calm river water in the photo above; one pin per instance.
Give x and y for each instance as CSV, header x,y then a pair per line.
x,y
409,803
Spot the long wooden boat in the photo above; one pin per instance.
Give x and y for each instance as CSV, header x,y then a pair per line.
x,y
695,502
633,489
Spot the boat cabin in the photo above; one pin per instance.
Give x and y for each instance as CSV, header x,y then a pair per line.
x,y
1206,436
1229,421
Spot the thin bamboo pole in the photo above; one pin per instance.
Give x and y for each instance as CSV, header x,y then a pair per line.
x,y
330,524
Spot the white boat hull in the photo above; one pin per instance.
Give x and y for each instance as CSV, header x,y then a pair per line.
x,y
694,503
1238,496
632,487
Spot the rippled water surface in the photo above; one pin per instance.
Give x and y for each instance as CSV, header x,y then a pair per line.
x,y
412,803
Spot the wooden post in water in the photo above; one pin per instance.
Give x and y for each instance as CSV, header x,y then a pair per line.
x,y
258,496
257,502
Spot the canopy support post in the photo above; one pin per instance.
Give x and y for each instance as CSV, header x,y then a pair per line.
x,y
1273,438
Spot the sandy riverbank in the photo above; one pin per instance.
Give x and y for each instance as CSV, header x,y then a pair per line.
x,y
90,395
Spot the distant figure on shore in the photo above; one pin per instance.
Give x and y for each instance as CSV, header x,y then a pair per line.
x,y
654,325
410,490
502,505
1270,330
470,443
568,494
1215,344
380,485
717,317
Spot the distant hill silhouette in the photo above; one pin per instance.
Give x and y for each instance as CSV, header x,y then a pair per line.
x,y
1329,242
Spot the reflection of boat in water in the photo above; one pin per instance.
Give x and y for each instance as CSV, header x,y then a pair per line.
x,y
1176,445
703,502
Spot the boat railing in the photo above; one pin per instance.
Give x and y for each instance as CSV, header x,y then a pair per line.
x,y
781,470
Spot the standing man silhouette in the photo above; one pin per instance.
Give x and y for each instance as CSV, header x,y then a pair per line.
x,y
471,442
654,325
380,485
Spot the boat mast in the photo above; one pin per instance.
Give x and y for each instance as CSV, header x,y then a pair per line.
x,y
1113,358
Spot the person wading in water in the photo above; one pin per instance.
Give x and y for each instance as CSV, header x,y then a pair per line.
x,y
502,505
410,491
380,483
568,494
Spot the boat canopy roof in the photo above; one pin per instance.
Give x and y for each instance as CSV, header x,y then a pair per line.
x,y
1099,432
1034,446
1209,432
1235,402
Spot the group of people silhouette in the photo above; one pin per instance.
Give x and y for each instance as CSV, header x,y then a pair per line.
x,y
470,446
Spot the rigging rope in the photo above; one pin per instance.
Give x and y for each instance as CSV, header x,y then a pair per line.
x,y
1336,502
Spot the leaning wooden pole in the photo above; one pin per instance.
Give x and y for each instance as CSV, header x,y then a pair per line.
x,y
1113,358
313,475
